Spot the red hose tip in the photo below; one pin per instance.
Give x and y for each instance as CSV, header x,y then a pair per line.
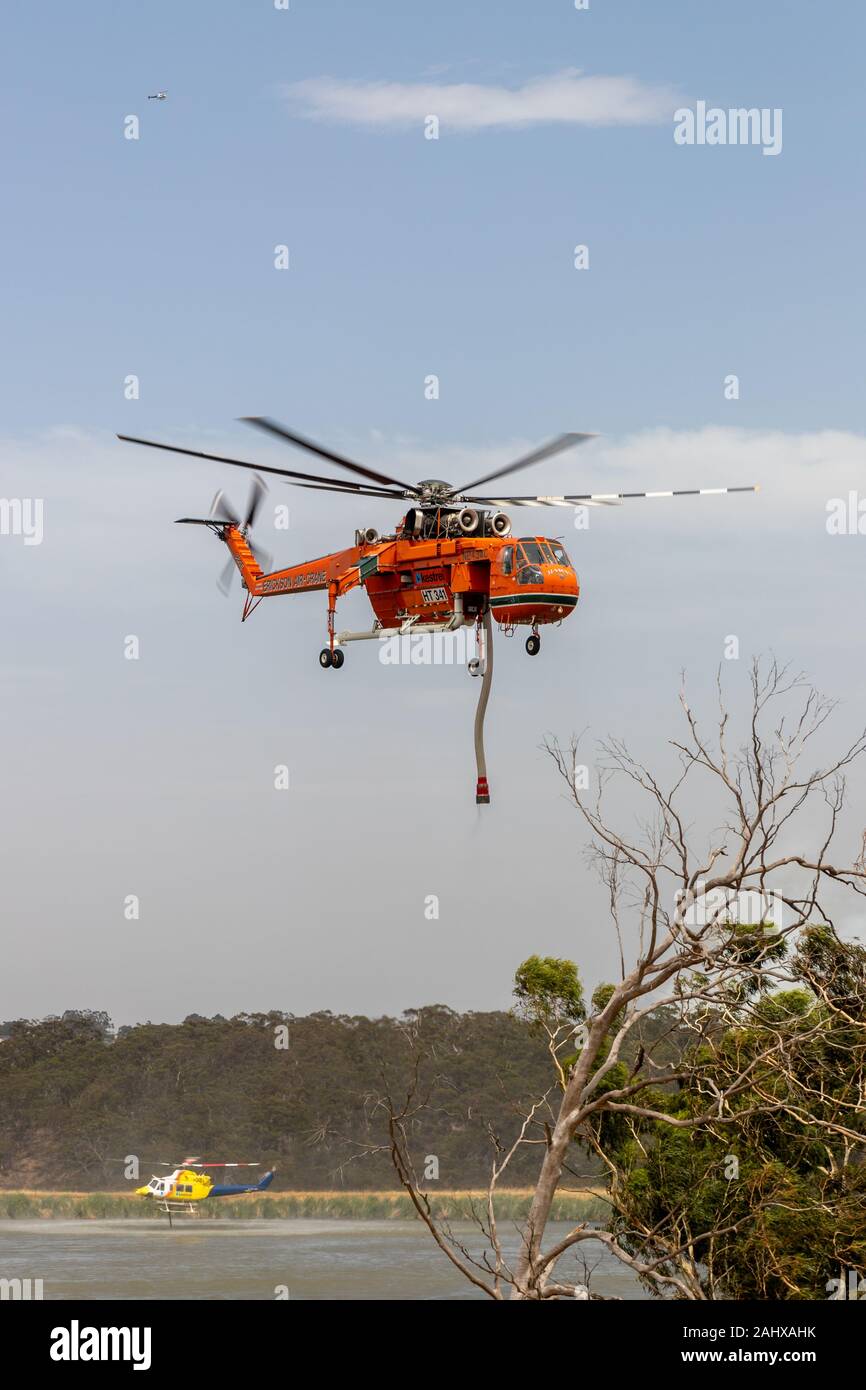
x,y
482,792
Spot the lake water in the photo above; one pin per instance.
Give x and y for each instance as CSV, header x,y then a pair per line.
x,y
311,1259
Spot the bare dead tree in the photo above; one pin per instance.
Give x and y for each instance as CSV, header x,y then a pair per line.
x,y
686,945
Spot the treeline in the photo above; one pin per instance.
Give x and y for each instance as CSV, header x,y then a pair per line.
x,y
301,1094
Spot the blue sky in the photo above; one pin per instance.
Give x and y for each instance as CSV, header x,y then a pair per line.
x,y
411,256
408,257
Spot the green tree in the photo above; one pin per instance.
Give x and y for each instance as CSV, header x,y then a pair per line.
x,y
771,1203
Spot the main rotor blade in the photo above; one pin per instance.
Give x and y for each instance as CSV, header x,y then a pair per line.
x,y
261,422
197,1163
237,463
352,490
609,499
546,451
544,501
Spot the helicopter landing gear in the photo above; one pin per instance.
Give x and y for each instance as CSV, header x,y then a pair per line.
x,y
533,644
331,655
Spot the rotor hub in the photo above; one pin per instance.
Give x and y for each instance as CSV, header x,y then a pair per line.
x,y
434,490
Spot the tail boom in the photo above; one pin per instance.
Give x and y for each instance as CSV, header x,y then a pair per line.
x,y
237,1189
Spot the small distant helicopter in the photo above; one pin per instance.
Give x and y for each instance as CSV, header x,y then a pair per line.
x,y
157,96
451,560
188,1184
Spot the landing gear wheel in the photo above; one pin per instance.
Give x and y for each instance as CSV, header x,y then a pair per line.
x,y
474,667
533,644
337,658
325,658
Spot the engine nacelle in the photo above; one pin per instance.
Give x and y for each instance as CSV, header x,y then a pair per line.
x,y
500,524
468,520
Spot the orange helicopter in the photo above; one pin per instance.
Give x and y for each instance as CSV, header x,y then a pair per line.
x,y
450,562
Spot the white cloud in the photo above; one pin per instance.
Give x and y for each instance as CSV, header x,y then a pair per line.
x,y
565,98
109,508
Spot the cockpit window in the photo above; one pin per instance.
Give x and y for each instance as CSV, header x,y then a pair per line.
x,y
507,559
559,555
530,558
531,553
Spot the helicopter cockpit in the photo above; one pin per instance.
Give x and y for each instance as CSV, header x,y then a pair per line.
x,y
526,557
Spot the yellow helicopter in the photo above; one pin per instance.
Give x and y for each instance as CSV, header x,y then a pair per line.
x,y
188,1184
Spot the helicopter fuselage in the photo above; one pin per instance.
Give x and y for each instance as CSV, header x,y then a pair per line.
x,y
429,579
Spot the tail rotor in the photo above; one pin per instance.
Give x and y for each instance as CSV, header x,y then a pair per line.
x,y
223,513
226,574
254,502
258,492
221,510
